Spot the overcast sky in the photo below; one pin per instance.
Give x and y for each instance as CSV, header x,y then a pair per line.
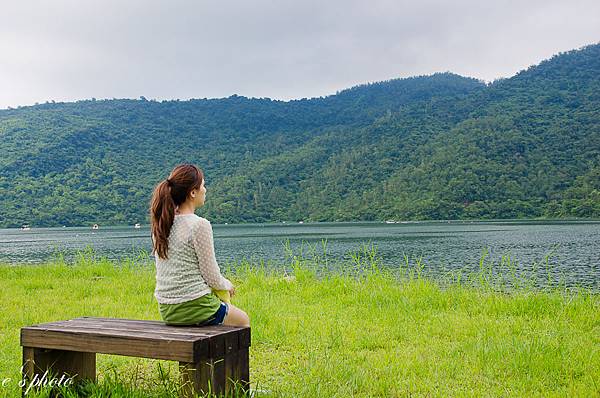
x,y
69,50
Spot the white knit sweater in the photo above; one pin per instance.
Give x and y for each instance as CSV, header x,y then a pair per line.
x,y
191,269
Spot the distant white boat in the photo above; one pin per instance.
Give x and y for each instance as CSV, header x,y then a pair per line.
x,y
300,222
390,222
137,226
95,226
25,227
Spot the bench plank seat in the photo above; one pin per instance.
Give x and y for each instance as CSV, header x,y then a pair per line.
x,y
209,355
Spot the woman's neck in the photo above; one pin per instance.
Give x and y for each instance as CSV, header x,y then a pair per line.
x,y
184,210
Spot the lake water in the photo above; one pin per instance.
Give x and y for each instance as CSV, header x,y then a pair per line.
x,y
567,249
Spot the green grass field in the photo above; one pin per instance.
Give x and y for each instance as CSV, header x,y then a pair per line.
x,y
362,333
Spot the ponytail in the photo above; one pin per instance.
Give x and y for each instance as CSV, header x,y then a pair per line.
x,y
162,213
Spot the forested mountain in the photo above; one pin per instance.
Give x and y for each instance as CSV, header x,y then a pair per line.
x,y
428,147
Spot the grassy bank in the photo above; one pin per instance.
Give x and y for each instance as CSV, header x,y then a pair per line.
x,y
363,334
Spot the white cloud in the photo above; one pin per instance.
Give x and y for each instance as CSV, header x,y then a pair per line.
x,y
68,50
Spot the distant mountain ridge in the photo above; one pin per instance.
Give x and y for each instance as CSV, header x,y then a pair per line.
x,y
428,147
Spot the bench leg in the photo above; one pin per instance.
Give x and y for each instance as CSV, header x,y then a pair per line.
x,y
42,366
197,378
216,376
240,371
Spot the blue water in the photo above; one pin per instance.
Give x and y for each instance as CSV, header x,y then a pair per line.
x,y
568,248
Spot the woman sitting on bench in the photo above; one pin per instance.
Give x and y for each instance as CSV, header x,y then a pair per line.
x,y
187,273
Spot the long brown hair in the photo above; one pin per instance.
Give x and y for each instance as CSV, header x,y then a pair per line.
x,y
167,195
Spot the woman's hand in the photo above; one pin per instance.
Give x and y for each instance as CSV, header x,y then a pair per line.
x,y
232,292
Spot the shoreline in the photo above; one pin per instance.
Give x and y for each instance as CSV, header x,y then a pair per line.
x,y
574,220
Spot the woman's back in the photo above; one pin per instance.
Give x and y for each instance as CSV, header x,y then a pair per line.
x,y
190,270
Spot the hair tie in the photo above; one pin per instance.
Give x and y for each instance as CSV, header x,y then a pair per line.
x,y
169,182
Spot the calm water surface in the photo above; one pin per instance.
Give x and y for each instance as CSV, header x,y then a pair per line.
x,y
570,248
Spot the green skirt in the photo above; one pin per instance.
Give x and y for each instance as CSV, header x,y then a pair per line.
x,y
190,312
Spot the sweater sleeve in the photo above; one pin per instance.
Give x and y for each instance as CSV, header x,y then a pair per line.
x,y
202,239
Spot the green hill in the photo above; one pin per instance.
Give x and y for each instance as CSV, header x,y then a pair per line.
x,y
428,147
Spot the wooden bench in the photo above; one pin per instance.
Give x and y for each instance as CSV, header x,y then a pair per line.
x,y
211,358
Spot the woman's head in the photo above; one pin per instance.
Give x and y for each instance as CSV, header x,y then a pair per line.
x,y
184,184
